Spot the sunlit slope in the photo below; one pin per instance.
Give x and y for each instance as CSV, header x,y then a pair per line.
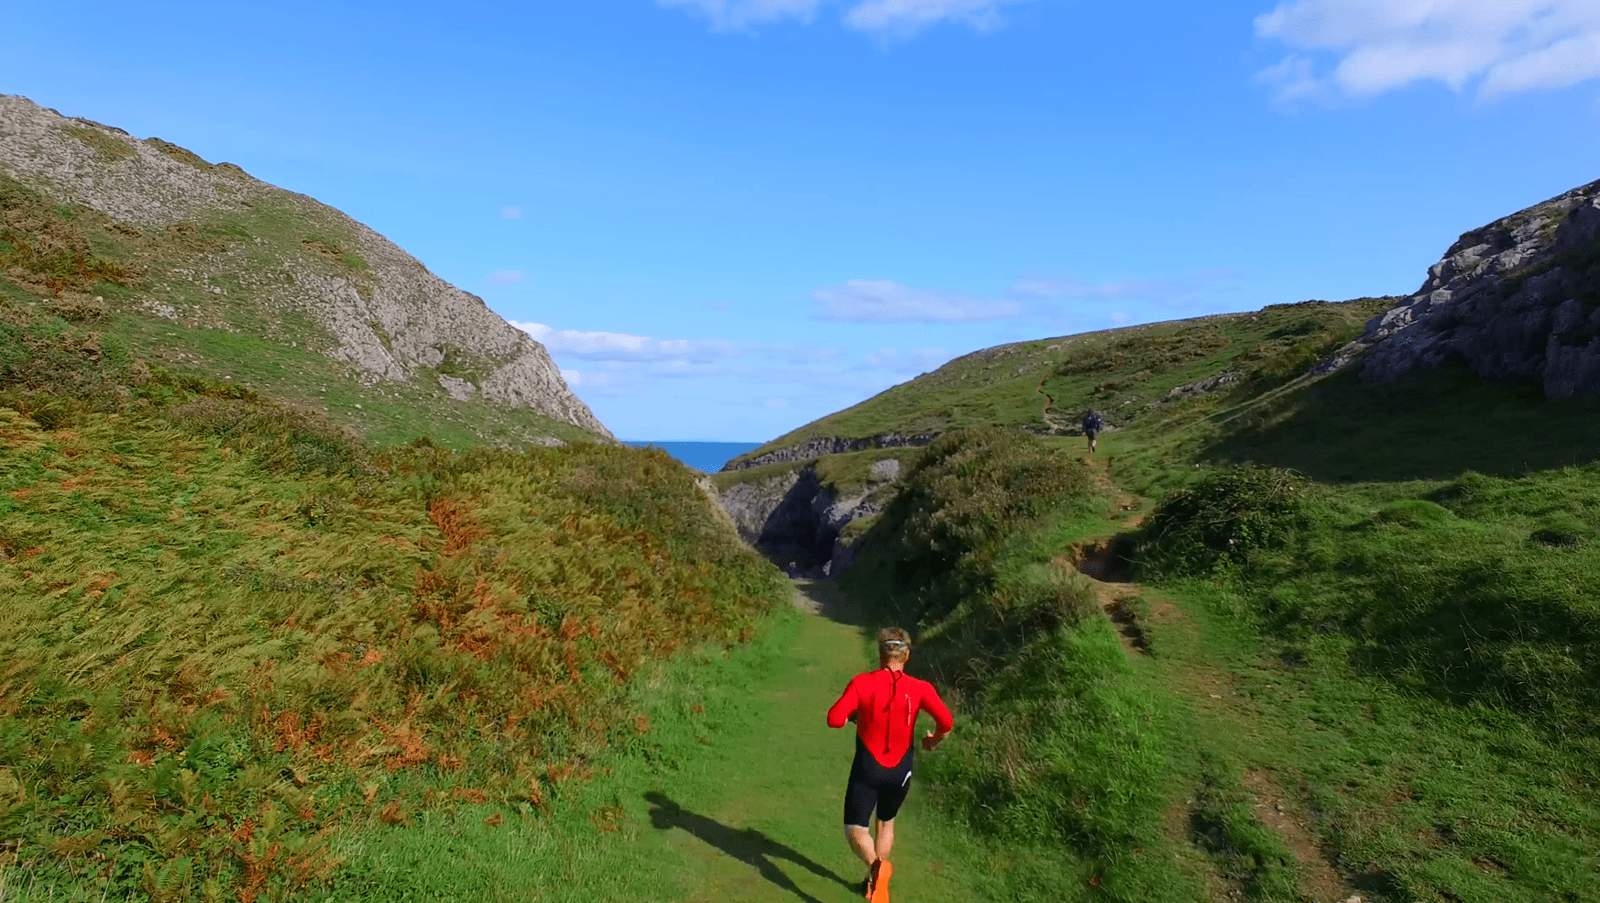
x,y
1127,375
236,637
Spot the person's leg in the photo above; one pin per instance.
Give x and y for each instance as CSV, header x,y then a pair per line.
x,y
860,840
885,842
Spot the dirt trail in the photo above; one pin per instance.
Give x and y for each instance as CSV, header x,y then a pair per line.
x,y
1139,616
767,828
1051,422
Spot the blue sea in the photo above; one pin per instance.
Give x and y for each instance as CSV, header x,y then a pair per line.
x,y
706,456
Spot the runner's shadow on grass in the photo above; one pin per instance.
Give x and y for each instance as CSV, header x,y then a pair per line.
x,y
748,846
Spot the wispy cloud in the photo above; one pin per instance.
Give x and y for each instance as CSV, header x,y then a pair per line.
x,y
734,15
905,16
504,278
882,301
1504,46
621,346
880,16
511,213
598,364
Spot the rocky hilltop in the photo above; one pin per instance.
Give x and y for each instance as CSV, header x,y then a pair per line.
x,y
1518,299
209,248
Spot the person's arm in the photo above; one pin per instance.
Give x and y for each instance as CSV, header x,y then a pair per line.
x,y
942,722
845,709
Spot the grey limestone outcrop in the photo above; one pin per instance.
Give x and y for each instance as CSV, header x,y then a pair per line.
x,y
1518,299
381,310
792,515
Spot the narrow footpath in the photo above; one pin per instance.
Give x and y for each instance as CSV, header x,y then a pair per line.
x,y
769,828
1143,618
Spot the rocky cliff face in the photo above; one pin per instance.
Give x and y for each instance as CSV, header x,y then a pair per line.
x,y
1516,299
226,251
792,516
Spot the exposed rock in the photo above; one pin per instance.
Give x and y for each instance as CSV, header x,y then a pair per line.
x,y
459,389
381,310
885,471
1516,299
792,516
812,449
1203,387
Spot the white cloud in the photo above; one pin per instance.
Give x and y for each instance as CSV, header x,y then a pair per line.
x,y
892,16
1507,46
882,301
733,15
906,16
511,213
504,277
620,346
777,402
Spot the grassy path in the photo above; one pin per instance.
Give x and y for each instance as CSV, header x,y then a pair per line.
x,y
758,819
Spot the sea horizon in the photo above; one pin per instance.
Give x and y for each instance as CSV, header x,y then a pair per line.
x,y
707,457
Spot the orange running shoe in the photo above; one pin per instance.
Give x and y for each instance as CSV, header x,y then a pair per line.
x,y
881,870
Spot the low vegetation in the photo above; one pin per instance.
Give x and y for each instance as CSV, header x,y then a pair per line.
x,y
1058,749
1365,610
237,635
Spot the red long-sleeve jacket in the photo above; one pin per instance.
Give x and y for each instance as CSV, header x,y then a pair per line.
x,y
885,704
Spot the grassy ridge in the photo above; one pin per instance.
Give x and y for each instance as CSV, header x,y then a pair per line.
x,y
235,634
1130,375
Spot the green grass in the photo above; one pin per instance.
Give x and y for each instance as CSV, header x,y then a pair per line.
x,y
1126,374
1063,753
238,637
846,474
1400,639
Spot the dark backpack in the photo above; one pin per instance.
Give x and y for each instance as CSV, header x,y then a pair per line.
x,y
1091,423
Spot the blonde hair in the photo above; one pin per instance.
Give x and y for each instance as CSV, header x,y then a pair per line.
x,y
894,645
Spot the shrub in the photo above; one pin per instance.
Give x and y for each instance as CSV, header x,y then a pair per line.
x,y
1225,518
971,490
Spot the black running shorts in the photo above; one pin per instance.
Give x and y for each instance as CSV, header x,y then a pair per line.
x,y
873,786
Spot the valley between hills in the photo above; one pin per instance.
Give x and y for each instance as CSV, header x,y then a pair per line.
x,y
321,585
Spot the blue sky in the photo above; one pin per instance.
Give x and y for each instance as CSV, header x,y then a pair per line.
x,y
726,218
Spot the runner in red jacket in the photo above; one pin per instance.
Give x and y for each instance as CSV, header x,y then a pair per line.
x,y
884,705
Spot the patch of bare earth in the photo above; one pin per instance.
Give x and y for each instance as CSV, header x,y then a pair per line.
x,y
1106,563
1288,815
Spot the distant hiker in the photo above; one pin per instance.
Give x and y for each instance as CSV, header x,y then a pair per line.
x,y
884,705
1091,428
794,571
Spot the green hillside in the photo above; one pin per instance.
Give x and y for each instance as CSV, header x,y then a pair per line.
x,y
241,642
1129,375
1283,638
